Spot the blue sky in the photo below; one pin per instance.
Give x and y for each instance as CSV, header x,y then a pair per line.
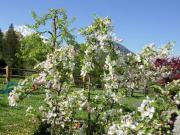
x,y
138,22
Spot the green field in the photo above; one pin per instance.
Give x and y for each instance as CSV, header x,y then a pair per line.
x,y
13,120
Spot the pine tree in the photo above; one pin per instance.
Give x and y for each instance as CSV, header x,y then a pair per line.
x,y
10,47
1,43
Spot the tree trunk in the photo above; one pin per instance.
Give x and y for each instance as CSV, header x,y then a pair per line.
x,y
89,100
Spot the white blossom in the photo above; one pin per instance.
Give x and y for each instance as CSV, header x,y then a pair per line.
x,y
13,98
146,109
115,130
29,109
127,122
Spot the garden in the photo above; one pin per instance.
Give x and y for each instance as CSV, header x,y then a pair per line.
x,y
91,88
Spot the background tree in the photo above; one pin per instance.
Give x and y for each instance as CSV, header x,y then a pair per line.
x,y
173,64
59,24
33,50
1,43
11,45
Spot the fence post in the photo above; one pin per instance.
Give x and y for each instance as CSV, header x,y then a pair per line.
x,y
8,74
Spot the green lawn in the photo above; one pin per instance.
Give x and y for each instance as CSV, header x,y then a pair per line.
x,y
13,120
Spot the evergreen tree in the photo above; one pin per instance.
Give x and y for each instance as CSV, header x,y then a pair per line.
x,y
10,47
1,43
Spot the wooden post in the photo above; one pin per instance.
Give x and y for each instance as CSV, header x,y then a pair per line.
x,y
8,74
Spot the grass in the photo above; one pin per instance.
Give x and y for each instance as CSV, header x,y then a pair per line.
x,y
131,103
13,120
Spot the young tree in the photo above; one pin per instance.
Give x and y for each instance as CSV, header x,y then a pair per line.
x,y
58,21
100,60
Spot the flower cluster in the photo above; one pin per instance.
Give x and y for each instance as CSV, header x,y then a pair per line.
x,y
146,109
20,91
13,98
111,78
115,129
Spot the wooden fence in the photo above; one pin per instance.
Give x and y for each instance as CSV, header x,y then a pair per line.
x,y
9,73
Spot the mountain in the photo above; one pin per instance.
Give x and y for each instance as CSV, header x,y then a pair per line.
x,y
122,49
24,30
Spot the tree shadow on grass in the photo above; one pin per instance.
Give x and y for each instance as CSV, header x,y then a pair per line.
x,y
42,129
6,106
3,105
137,96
